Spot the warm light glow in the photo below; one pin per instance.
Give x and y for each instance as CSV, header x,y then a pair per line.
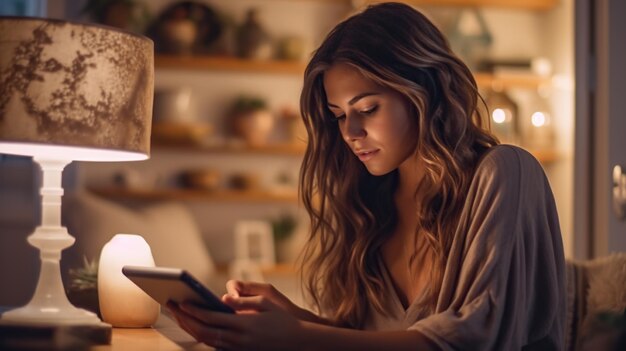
x,y
74,153
541,66
538,119
50,310
498,115
115,290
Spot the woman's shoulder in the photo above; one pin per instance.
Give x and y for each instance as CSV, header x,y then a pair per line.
x,y
507,159
506,164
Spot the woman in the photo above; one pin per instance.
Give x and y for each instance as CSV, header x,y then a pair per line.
x,y
425,234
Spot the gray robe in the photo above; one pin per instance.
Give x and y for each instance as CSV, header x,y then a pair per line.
x,y
504,282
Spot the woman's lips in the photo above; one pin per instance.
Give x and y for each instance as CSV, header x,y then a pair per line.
x,y
366,155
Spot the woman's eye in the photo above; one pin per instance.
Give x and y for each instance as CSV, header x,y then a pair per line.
x,y
369,111
340,117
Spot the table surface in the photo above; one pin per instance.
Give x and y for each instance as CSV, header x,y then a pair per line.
x,y
147,339
165,335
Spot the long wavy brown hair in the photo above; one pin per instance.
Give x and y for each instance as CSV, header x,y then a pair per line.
x,y
352,212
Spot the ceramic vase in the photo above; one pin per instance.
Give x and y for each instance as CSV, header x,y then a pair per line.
x,y
252,40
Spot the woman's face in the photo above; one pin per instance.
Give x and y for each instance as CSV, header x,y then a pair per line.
x,y
374,121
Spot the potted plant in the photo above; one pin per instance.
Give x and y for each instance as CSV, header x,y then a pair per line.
x,y
83,289
251,120
283,228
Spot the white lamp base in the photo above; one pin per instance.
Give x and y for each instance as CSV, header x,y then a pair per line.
x,y
36,315
49,305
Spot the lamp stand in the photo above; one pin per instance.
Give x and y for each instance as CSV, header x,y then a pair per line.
x,y
50,305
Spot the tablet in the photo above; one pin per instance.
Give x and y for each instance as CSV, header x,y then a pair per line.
x,y
173,284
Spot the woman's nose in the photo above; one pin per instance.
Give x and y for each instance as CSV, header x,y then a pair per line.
x,y
353,128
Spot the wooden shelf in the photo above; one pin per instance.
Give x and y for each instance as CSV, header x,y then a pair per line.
x,y
209,63
545,156
251,196
510,80
229,64
269,149
534,5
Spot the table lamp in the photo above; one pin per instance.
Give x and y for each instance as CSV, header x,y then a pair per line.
x,y
69,92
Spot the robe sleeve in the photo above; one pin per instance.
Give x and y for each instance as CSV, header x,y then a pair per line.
x,y
504,282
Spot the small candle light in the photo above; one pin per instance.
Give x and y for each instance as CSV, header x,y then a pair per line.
x,y
541,134
504,119
122,303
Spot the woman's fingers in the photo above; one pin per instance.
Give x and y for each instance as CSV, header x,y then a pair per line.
x,y
271,298
250,288
233,287
192,320
216,337
258,303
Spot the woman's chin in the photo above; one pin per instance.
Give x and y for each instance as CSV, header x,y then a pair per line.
x,y
377,170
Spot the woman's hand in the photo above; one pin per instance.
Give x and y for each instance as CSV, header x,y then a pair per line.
x,y
243,296
246,295
259,325
263,325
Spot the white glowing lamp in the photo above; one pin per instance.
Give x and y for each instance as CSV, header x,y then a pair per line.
x,y
68,92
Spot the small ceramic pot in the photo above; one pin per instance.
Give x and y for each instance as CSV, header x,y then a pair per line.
x,y
253,126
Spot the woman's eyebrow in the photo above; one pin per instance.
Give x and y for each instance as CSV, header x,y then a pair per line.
x,y
355,99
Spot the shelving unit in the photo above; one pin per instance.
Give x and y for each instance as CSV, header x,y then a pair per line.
x,y
231,64
544,156
224,64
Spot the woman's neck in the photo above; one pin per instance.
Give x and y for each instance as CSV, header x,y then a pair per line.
x,y
406,198
410,175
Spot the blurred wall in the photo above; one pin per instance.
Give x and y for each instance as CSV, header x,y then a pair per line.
x,y
18,212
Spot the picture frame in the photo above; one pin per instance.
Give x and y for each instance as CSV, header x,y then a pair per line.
x,y
254,243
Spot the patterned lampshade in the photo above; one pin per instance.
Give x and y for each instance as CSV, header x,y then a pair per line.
x,y
74,91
